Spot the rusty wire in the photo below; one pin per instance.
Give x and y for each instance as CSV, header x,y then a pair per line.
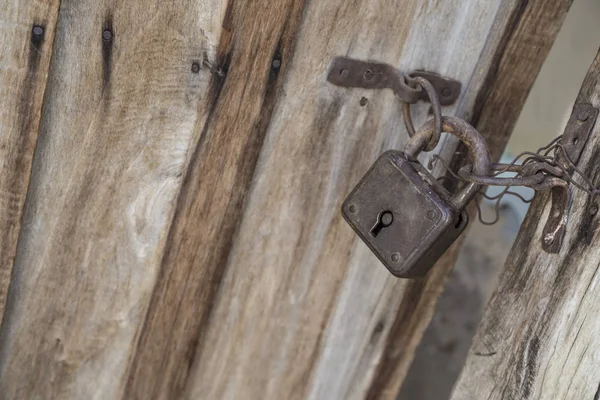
x,y
549,155
543,169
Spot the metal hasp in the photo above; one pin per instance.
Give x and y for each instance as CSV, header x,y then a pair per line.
x,y
575,137
347,72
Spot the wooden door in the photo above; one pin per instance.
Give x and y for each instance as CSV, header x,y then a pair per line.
x,y
178,234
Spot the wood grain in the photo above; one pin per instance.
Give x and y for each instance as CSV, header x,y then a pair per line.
x,y
274,296
538,337
182,233
211,203
24,64
120,118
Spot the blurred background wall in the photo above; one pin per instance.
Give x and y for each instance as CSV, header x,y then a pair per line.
x,y
444,348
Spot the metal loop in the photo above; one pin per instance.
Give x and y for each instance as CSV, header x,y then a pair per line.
x,y
435,106
485,180
469,136
536,167
407,93
550,182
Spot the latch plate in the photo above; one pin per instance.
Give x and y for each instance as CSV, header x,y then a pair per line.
x,y
578,130
348,72
575,137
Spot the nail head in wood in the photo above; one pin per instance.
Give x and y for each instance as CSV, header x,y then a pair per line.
x,y
107,35
38,30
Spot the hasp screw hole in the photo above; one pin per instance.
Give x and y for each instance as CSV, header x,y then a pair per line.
x,y
583,116
344,73
446,92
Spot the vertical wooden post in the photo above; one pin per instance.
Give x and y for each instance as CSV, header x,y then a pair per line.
x,y
539,334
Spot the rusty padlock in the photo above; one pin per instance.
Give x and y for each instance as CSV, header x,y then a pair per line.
x,y
405,216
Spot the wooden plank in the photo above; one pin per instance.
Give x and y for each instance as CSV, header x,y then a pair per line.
x,y
271,296
121,115
24,64
212,199
259,290
538,337
517,46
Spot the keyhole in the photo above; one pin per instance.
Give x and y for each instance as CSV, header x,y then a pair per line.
x,y
384,219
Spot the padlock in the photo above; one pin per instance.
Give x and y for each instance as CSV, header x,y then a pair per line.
x,y
403,214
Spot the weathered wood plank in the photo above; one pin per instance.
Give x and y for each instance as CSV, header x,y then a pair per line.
x,y
272,296
122,112
24,63
259,289
258,34
539,335
517,46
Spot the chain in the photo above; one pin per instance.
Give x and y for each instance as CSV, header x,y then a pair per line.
x,y
550,166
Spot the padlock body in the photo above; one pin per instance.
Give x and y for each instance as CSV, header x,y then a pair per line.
x,y
424,223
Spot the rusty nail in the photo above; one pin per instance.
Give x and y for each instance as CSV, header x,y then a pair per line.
x,y
195,67
213,69
345,73
107,35
38,30
583,116
276,63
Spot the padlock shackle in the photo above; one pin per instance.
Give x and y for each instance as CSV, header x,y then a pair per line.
x,y
470,137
